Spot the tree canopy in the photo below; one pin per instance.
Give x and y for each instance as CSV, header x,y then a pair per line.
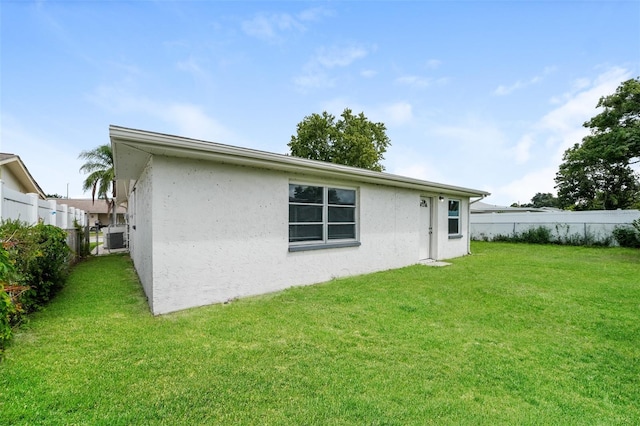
x,y
598,173
99,165
352,140
539,200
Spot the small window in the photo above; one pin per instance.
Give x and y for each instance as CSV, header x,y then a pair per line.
x,y
454,217
321,215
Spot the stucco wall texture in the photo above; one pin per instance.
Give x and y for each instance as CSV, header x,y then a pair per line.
x,y
204,232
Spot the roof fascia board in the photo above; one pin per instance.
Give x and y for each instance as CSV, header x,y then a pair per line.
x,y
168,145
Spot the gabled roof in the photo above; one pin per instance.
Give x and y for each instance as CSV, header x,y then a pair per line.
x,y
14,164
133,148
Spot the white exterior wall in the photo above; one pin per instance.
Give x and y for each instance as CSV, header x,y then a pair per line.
x,y
141,231
221,231
446,247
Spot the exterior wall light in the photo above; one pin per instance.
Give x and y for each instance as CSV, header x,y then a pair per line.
x,y
441,198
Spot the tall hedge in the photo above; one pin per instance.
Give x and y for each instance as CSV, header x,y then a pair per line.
x,y
41,258
7,309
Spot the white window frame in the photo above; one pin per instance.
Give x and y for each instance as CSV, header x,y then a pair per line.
x,y
325,242
457,218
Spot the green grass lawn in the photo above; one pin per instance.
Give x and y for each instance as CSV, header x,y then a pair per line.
x,y
514,334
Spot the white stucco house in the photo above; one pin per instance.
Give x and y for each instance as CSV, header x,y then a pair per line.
x,y
211,222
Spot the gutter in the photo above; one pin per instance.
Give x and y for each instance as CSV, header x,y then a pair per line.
x,y
482,197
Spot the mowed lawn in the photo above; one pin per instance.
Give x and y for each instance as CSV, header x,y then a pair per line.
x,y
513,334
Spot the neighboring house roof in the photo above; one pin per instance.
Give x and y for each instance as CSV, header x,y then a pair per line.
x,y
133,148
86,204
480,207
14,164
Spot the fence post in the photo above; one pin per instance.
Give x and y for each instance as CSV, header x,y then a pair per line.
x,y
65,216
33,209
51,220
72,215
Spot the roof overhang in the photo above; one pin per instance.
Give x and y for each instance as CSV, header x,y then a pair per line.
x,y
132,150
14,164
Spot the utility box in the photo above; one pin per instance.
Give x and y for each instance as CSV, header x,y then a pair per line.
x,y
114,237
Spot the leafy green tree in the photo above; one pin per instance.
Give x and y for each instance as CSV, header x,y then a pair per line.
x,y
540,200
101,178
598,173
352,140
546,199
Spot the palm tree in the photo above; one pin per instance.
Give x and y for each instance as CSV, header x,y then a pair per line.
x,y
101,177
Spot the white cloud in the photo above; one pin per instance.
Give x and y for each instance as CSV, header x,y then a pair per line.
x,y
404,161
185,119
506,90
418,171
564,123
524,188
414,81
474,132
398,113
391,114
339,56
368,73
556,131
192,121
191,66
272,27
51,160
314,14
315,71
314,80
522,149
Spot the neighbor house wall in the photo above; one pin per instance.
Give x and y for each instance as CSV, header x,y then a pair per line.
x,y
11,182
221,231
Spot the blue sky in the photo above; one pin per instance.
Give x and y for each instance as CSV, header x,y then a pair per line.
x,y
481,94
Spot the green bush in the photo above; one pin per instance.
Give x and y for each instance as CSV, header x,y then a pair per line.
x,y
539,235
627,236
544,235
41,258
7,309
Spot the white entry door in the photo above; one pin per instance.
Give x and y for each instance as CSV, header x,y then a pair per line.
x,y
425,228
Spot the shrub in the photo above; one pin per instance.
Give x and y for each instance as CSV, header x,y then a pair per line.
x,y
41,258
7,309
627,236
539,235
544,235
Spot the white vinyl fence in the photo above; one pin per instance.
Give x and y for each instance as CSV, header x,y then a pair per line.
x,y
29,208
595,226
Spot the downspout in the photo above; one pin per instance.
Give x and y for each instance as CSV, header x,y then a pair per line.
x,y
482,197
